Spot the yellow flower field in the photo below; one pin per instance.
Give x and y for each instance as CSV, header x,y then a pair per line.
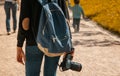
x,y
104,12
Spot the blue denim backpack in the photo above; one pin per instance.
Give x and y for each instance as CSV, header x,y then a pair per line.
x,y
54,37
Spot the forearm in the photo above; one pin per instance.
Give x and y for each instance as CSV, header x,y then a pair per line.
x,y
24,13
20,40
83,14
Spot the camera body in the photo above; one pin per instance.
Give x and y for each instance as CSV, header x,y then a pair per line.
x,y
67,63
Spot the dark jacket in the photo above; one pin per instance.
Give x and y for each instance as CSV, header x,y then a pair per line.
x,y
32,10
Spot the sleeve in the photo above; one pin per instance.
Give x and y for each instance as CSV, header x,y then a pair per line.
x,y
25,10
62,4
82,11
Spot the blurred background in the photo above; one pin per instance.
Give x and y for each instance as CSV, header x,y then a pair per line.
x,y
105,12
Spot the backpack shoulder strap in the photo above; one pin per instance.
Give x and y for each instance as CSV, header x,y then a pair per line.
x,y
43,2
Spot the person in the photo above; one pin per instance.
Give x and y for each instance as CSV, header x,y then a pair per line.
x,y
77,12
28,27
11,5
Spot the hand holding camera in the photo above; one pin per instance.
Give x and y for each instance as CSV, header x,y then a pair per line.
x,y
67,63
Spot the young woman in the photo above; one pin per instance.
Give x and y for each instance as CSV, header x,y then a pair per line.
x,y
28,25
11,5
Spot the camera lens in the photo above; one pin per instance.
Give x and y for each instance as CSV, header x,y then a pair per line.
x,y
76,66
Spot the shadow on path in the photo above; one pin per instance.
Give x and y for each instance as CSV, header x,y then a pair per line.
x,y
89,33
94,42
6,34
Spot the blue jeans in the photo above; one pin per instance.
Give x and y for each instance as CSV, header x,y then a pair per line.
x,y
9,6
76,24
34,59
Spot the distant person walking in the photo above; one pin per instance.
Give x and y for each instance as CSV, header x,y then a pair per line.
x,y
11,5
77,12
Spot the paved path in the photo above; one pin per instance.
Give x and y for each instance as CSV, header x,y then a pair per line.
x,y
96,49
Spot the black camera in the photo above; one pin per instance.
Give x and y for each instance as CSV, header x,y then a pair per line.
x,y
67,63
